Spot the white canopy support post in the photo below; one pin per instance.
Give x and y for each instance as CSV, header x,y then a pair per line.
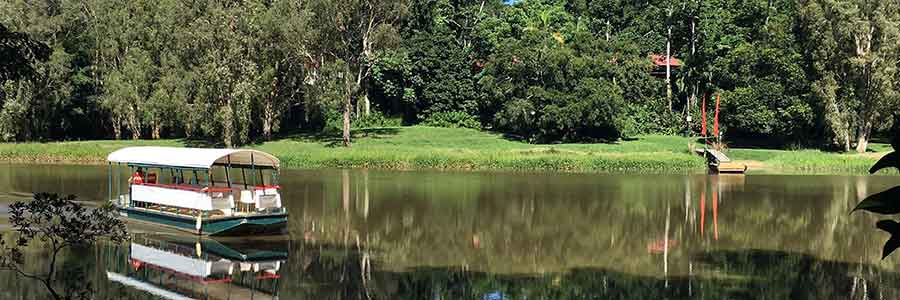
x,y
109,182
199,221
119,185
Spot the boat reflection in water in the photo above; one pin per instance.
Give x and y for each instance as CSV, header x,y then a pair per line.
x,y
175,267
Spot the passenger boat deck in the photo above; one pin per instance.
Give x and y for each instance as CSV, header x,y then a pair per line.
x,y
196,190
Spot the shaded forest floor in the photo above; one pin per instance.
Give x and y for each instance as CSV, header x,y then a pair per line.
x,y
409,148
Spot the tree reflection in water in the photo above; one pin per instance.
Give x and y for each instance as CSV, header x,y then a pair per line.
x,y
423,235
579,241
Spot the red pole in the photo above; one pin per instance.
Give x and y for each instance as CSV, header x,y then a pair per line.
x,y
703,110
716,119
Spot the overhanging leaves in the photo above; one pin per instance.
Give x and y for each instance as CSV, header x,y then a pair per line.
x,y
894,241
890,160
885,202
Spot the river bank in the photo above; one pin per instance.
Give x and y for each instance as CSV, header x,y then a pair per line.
x,y
429,148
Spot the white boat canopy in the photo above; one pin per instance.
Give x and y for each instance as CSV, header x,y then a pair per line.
x,y
200,158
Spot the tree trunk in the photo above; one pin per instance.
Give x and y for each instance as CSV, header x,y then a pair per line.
x,y
156,128
117,128
268,116
135,128
228,126
862,138
347,120
367,106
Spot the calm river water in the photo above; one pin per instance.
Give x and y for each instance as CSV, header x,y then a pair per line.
x,y
439,235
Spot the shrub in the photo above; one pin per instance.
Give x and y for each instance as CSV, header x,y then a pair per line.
x,y
452,119
374,120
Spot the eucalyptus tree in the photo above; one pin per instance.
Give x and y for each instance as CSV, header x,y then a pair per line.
x,y
352,32
41,104
854,48
21,52
225,75
281,50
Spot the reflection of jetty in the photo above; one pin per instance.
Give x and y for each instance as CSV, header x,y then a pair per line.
x,y
174,268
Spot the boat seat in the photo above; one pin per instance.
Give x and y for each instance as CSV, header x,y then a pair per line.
x,y
247,197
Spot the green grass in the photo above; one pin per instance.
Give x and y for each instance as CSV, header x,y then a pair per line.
x,y
808,161
465,149
417,147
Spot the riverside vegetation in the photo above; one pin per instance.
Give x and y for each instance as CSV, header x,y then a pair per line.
x,y
420,147
794,74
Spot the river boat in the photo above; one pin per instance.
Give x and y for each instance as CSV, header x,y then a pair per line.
x,y
200,190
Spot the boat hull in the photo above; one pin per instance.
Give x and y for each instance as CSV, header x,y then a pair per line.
x,y
267,224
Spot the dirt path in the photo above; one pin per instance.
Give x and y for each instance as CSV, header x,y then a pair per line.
x,y
754,165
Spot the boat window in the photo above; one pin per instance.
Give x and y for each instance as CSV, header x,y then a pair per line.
x,y
219,176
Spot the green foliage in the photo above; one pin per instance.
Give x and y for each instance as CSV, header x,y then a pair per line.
x,y
547,71
551,80
853,65
376,120
58,223
452,119
885,202
648,119
19,52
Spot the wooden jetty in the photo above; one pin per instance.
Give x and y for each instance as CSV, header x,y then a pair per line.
x,y
718,162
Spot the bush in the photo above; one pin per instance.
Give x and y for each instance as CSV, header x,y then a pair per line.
x,y
648,119
452,119
374,120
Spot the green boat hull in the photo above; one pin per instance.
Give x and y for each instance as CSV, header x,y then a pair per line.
x,y
226,226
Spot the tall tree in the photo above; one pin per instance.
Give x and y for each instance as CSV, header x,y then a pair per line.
x,y
854,48
354,31
19,52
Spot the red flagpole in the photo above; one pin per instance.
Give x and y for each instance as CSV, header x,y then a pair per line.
x,y
716,119
703,124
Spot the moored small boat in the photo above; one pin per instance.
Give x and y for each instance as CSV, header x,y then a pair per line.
x,y
203,191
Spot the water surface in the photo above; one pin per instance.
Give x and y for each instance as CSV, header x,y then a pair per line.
x,y
357,234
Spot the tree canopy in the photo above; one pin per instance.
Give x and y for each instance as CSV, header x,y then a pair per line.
x,y
816,73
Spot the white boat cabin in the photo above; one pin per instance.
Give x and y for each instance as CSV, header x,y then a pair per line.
x,y
200,182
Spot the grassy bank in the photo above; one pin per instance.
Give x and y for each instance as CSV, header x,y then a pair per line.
x,y
462,149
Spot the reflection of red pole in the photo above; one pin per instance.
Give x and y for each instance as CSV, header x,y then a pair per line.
x,y
715,204
702,208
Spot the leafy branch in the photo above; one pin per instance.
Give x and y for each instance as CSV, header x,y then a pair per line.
x,y
885,202
59,223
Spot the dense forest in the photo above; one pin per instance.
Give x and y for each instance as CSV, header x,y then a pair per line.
x,y
792,73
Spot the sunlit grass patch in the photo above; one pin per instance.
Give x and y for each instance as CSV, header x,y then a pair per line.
x,y
419,147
